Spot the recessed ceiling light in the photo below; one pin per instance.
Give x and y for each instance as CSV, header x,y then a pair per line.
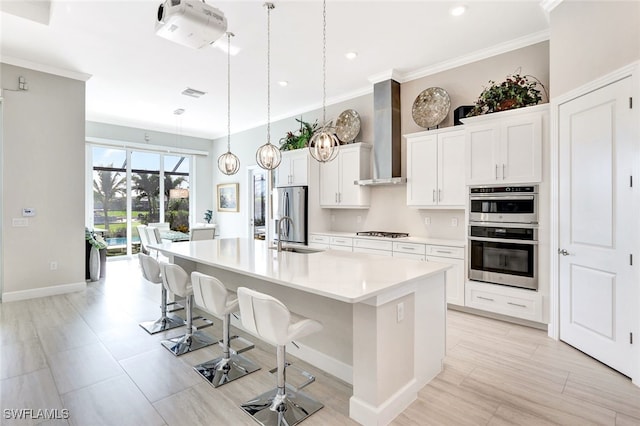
x,y
458,10
194,93
179,111
283,83
351,55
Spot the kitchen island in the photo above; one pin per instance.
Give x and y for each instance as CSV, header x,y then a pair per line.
x,y
383,317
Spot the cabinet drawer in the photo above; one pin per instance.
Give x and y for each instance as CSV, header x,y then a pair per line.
x,y
524,304
322,246
372,251
341,248
403,255
373,244
320,239
446,251
410,248
341,241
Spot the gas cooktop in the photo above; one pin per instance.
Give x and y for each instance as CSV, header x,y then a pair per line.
x,y
382,234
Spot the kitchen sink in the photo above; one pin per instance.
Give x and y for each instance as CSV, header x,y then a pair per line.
x,y
302,250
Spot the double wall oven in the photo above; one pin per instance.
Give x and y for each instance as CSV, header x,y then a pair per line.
x,y
503,235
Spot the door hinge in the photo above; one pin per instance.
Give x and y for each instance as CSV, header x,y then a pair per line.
x,y
630,102
631,338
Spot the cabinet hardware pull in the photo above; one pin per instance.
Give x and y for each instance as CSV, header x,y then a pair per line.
x,y
408,248
485,298
434,196
503,171
443,251
496,172
516,304
439,194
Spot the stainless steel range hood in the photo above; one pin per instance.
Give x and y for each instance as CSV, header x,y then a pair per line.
x,y
386,135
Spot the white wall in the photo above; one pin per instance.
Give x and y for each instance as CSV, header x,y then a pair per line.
x,y
591,39
388,210
202,193
43,168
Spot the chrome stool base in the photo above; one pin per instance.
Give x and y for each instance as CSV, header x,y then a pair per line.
x,y
163,324
188,343
269,409
224,370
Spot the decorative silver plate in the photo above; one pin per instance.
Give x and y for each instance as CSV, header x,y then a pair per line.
x,y
431,107
348,125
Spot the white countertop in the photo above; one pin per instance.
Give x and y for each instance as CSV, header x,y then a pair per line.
x,y
418,240
345,276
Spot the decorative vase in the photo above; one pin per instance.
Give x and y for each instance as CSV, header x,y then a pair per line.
x,y
94,264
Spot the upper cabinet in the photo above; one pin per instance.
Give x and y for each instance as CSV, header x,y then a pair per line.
x,y
435,169
293,169
505,147
337,178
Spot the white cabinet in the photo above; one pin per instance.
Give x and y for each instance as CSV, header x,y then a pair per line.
x,y
505,147
515,302
337,177
293,169
435,169
341,243
319,241
379,247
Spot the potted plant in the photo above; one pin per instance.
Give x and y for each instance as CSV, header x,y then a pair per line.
x,y
299,138
516,91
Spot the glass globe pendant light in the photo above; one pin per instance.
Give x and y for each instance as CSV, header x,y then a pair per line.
x,y
324,144
268,155
229,163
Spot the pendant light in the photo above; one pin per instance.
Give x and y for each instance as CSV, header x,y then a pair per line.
x,y
229,163
268,155
324,144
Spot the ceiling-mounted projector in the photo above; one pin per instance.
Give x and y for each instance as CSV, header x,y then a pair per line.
x,y
189,22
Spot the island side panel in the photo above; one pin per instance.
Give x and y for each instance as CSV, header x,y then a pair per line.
x,y
329,349
431,327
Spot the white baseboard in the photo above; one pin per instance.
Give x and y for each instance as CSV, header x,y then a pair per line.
x,y
368,415
33,293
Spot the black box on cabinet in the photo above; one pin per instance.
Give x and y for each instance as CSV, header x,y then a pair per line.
x,y
461,112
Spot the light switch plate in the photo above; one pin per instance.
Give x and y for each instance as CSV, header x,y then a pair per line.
x,y
19,222
28,212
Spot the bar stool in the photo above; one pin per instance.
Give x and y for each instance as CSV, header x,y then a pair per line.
x,y
176,280
270,320
212,296
151,272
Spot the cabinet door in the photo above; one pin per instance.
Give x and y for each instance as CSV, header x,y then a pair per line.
x,y
283,172
329,183
299,166
454,278
521,150
482,144
349,193
422,171
451,185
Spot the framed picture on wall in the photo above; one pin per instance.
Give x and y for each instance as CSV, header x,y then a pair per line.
x,y
228,197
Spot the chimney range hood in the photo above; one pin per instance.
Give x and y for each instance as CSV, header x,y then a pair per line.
x,y
386,135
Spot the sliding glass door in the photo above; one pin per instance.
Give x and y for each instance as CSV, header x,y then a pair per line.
x,y
132,188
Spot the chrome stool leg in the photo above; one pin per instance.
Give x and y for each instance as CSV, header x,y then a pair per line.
x,y
283,406
166,321
229,366
192,339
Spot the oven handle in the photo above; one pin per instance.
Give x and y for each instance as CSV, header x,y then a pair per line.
x,y
503,240
493,197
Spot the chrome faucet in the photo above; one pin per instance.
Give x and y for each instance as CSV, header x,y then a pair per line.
x,y
283,219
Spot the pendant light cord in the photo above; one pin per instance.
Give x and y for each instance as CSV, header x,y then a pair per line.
x,y
269,6
229,35
324,62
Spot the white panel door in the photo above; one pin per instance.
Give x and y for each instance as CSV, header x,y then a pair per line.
x,y
598,225
349,192
329,183
521,150
451,186
422,171
299,167
482,148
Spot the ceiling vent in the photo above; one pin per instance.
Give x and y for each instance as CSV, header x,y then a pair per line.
x,y
194,93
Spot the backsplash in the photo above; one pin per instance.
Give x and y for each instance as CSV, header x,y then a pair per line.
x,y
389,212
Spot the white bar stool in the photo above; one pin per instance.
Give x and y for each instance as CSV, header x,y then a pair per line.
x,y
270,320
151,272
212,296
176,280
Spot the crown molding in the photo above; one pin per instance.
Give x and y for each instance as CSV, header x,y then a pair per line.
x,y
391,74
479,55
18,62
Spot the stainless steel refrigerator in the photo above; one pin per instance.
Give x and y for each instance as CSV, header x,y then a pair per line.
x,y
292,202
